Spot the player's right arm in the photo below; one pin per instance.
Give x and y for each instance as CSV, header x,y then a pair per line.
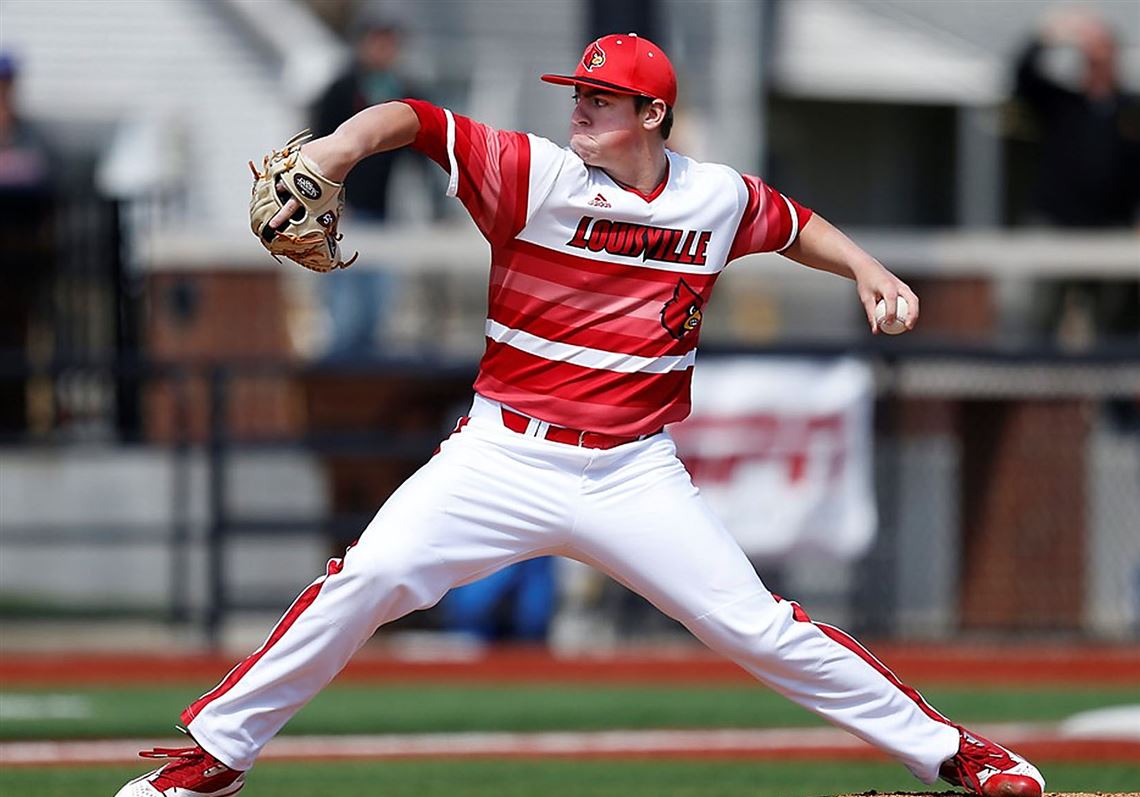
x,y
379,128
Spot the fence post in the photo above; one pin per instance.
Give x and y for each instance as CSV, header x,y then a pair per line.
x,y
216,600
180,500
876,588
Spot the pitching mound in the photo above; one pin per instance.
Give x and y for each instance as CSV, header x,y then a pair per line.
x,y
962,794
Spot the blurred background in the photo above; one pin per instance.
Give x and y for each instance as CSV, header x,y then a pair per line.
x,y
188,429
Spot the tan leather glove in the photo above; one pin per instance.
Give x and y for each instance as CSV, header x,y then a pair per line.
x,y
309,237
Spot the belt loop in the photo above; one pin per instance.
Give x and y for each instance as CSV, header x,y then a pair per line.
x,y
581,437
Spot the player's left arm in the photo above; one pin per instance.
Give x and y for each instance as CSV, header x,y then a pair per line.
x,y
822,246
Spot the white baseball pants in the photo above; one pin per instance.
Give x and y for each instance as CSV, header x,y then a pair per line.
x,y
491,497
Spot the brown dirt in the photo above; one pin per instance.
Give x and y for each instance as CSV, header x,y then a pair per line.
x,y
1039,664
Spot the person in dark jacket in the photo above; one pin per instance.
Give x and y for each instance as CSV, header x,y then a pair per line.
x,y
372,78
27,210
1089,170
1089,174
360,299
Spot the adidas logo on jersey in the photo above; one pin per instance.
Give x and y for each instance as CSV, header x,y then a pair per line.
x,y
599,202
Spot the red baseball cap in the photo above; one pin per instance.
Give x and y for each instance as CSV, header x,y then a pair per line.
x,y
626,64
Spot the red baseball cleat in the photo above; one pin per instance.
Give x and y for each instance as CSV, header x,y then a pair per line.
x,y
990,770
192,773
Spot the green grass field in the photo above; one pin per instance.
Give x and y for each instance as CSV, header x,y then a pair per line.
x,y
150,711
427,707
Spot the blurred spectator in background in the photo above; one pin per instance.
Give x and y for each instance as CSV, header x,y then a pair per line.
x,y
24,160
359,298
1089,171
1090,132
515,603
26,204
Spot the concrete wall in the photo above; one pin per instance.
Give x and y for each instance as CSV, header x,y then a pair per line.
x,y
1112,597
91,526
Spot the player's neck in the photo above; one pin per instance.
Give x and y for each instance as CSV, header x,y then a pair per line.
x,y
642,171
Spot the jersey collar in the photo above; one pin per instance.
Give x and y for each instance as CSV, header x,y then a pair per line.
x,y
656,192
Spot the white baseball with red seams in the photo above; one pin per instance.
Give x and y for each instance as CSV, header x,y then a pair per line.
x,y
902,312
597,294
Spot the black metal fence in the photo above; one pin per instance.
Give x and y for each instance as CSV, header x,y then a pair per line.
x,y
1019,426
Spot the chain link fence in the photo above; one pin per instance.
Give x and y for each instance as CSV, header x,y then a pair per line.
x,y
1007,488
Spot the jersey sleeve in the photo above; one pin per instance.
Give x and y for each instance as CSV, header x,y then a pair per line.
x,y
771,221
489,168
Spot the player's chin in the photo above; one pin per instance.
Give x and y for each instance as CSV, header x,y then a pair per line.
x,y
585,147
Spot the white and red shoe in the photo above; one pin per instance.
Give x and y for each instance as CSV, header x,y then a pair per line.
x,y
990,770
192,772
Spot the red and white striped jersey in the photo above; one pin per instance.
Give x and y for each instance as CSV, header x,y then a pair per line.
x,y
597,291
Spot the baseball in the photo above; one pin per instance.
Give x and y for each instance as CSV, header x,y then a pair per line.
x,y
898,326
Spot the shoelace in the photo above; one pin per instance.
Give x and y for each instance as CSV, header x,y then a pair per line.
x,y
973,756
191,763
955,773
172,752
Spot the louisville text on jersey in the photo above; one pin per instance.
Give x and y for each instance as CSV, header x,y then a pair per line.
x,y
663,244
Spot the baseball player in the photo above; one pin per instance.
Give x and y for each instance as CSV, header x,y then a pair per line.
x,y
603,258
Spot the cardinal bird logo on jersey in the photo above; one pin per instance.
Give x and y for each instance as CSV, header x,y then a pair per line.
x,y
594,57
682,314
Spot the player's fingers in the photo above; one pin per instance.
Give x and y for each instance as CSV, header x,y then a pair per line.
x,y
912,305
869,301
891,298
282,216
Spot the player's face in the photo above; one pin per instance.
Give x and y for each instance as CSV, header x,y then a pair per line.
x,y
603,126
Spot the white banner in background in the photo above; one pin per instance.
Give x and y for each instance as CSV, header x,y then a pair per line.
x,y
781,450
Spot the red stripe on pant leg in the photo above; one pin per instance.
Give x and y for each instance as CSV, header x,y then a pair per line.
x,y
849,642
303,602
458,428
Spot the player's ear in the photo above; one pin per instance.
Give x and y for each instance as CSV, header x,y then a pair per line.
x,y
653,114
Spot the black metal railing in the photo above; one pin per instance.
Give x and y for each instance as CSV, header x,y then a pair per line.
x,y
1106,374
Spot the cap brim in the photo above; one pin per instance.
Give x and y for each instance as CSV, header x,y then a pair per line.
x,y
574,80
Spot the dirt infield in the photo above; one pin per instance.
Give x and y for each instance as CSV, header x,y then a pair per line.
x,y
947,664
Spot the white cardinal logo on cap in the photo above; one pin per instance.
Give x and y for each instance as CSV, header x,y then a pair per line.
x,y
594,57
625,64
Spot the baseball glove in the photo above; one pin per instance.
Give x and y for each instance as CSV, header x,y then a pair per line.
x,y
309,238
